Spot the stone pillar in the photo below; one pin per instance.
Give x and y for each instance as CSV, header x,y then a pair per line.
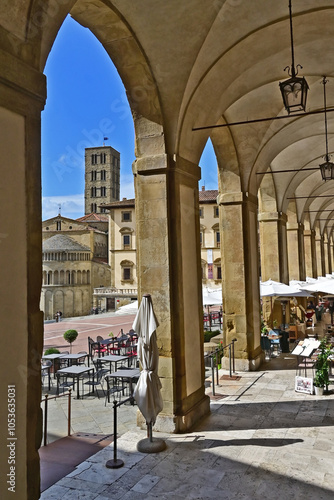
x,y
320,255
310,253
296,253
330,255
169,268
240,272
22,97
273,246
326,253
274,258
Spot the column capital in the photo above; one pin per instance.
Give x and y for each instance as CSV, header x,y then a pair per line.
x,y
236,198
295,226
163,164
23,87
272,216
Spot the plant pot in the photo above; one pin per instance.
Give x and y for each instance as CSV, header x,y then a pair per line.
x,y
318,391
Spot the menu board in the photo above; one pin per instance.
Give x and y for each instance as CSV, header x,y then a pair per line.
x,y
306,347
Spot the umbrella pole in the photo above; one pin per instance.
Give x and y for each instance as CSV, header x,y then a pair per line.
x,y
150,444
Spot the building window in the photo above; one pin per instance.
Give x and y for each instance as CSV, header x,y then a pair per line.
x,y
94,159
201,212
58,225
219,273
216,212
103,175
201,239
93,207
217,239
126,216
126,241
103,157
93,192
103,191
126,273
93,175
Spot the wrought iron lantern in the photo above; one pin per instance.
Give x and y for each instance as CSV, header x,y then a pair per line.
x,y
294,90
326,168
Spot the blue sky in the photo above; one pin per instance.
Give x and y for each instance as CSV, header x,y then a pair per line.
x,y
86,101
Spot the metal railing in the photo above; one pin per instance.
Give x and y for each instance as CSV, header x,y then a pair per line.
x,y
215,360
46,400
213,319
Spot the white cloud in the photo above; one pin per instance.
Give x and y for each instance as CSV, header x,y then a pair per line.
x,y
72,206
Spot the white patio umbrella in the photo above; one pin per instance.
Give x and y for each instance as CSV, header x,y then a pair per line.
x,y
147,392
211,296
321,286
272,288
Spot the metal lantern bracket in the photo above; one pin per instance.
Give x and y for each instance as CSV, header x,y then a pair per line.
x,y
326,168
294,90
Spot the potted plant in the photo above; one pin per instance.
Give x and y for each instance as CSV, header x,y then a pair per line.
x,y
321,379
70,336
51,350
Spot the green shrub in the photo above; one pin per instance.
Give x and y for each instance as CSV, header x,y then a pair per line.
x,y
51,350
70,336
208,335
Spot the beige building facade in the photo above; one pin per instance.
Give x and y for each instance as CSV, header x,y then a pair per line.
x,y
74,262
122,241
192,71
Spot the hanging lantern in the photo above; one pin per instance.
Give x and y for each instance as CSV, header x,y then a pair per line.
x,y
294,90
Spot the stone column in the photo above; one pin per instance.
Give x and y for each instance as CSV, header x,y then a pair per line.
x,y
274,258
320,255
330,255
310,253
169,268
22,97
326,253
296,253
273,246
240,272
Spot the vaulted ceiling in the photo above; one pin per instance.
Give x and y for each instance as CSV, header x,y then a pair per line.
x,y
201,63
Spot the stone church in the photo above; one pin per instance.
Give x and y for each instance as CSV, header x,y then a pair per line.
x,y
192,70
75,261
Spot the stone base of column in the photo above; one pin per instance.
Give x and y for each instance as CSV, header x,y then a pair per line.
x,y
173,424
244,365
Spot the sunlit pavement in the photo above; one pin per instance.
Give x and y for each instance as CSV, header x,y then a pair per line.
x,y
262,440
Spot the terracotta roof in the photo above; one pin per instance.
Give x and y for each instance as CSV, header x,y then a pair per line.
x,y
94,218
63,242
208,196
123,203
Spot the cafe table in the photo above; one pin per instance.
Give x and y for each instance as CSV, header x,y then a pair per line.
x,y
72,359
128,374
53,358
112,358
76,372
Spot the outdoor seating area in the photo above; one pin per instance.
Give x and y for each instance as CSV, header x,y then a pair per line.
x,y
108,367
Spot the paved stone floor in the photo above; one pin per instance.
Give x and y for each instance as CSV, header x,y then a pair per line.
x,y
262,440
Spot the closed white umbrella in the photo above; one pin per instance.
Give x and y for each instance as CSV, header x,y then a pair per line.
x,y
148,390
